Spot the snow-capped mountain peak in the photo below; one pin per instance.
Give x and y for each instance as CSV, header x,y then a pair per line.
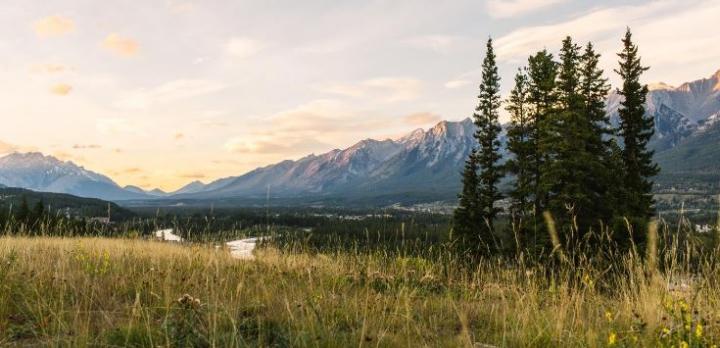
x,y
39,172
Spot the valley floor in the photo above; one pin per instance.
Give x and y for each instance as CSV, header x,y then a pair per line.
x,y
123,292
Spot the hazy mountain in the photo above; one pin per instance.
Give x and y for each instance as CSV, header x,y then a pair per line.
x,y
423,165
195,186
678,111
696,100
133,188
37,172
427,163
157,192
368,168
154,192
696,160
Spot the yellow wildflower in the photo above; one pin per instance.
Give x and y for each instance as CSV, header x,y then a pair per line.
x,y
608,316
612,339
684,344
698,330
683,305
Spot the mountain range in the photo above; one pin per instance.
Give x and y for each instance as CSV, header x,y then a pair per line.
x,y
38,172
424,165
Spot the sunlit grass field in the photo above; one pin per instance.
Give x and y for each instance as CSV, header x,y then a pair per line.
x,y
83,292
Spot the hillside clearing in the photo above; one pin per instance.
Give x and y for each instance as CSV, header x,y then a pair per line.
x,y
94,291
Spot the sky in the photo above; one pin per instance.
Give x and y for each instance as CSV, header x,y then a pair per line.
x,y
158,93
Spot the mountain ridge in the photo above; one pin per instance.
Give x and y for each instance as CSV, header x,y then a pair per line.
x,y
423,162
38,172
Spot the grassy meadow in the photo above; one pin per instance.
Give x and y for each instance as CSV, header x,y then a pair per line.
x,y
133,292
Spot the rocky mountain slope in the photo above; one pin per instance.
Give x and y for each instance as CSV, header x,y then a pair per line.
x,y
369,168
37,172
424,165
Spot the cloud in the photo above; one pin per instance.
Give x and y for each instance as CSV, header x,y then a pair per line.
x,y
49,68
307,128
675,38
61,89
421,119
168,92
132,170
86,146
457,84
121,46
600,24
388,89
180,6
241,48
354,91
53,26
398,89
437,43
114,126
512,8
6,148
213,123
273,146
196,175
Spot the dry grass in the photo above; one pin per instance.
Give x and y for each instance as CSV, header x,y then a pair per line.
x,y
121,292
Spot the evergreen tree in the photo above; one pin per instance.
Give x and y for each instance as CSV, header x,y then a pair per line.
x,y
23,213
600,145
521,144
487,134
465,218
561,175
542,98
615,188
37,212
636,130
574,177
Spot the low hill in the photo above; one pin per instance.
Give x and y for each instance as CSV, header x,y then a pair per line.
x,y
62,203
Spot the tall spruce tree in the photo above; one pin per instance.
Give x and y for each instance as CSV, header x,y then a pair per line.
x,y
572,178
635,130
465,218
594,89
563,174
488,131
521,144
542,98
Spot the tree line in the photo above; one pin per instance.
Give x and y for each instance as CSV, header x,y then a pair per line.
x,y
567,162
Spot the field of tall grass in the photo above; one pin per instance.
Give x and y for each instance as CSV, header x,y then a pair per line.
x,y
139,293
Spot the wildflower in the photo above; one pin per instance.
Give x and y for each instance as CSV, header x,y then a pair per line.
x,y
698,330
612,339
683,305
665,331
608,316
684,344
